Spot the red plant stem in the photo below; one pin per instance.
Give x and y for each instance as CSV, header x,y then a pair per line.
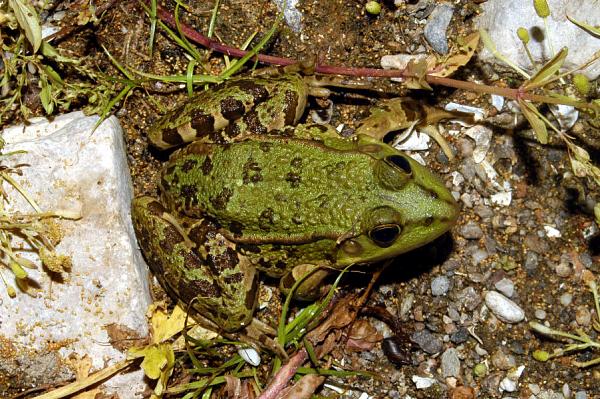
x,y
195,36
284,375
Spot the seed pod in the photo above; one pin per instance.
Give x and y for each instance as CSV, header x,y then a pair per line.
x,y
523,35
582,84
373,7
541,8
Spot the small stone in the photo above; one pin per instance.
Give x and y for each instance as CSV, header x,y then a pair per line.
x,y
478,256
566,390
566,299
440,285
534,388
563,269
469,298
505,309
505,286
540,314
450,363
427,341
483,211
583,317
502,360
459,336
581,395
423,382
435,29
471,231
531,261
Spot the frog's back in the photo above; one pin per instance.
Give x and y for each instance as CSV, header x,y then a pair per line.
x,y
269,189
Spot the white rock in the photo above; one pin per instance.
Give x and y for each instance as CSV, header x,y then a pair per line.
x,y
401,61
483,140
552,232
478,113
423,382
566,115
506,287
292,16
414,142
73,168
503,308
497,102
502,18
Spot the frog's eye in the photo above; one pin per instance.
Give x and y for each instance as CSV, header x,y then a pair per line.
x,y
400,162
385,235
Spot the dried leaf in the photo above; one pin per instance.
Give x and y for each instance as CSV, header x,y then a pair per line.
x,y
593,30
416,72
466,51
28,21
548,70
363,336
163,326
537,124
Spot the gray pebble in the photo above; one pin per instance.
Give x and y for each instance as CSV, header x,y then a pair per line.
x,y
478,256
583,317
566,299
506,287
563,269
581,395
469,298
503,308
471,231
503,361
427,341
531,261
459,336
435,29
450,363
540,314
450,264
440,285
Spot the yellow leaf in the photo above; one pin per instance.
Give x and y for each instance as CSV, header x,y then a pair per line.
x,y
164,327
537,124
548,70
455,61
593,30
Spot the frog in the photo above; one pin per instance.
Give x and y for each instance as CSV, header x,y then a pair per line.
x,y
250,191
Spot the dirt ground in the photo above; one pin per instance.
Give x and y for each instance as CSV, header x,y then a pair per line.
x,y
438,292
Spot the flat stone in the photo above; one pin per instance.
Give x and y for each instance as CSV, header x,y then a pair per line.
x,y
450,363
72,167
435,29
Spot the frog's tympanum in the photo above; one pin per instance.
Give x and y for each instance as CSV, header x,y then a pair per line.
x,y
254,192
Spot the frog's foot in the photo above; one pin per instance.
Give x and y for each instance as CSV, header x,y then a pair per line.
x,y
197,264
312,277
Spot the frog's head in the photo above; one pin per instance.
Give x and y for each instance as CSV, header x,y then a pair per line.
x,y
413,208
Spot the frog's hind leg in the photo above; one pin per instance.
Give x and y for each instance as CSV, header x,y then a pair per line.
x,y
197,264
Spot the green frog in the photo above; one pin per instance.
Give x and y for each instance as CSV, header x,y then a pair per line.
x,y
256,192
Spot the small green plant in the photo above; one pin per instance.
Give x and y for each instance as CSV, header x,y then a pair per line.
x,y
579,341
37,229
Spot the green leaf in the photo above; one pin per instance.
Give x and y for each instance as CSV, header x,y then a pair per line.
x,y
597,213
593,30
537,124
28,21
18,271
548,70
50,52
46,95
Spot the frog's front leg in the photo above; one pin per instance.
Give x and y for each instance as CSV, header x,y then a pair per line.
x,y
198,264
309,288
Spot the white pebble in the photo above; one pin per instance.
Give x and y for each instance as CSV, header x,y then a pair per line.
x,y
505,286
250,356
505,309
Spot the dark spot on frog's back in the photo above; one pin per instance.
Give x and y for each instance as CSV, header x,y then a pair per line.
x,y
226,260
207,166
236,228
294,179
266,219
189,193
221,200
258,92
291,105
252,172
156,208
189,289
202,123
172,136
253,123
188,165
232,109
265,147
